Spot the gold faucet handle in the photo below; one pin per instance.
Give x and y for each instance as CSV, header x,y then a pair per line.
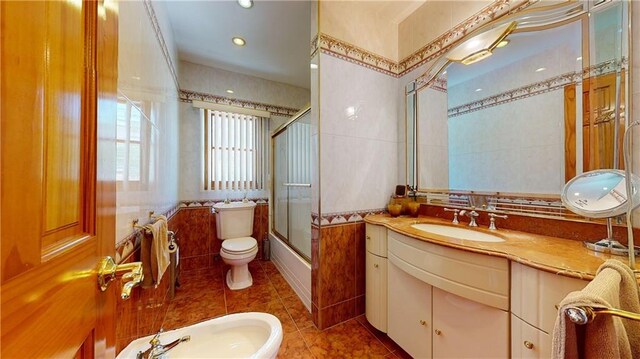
x,y
109,270
156,338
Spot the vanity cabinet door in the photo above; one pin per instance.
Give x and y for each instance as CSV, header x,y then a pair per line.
x,y
376,291
528,341
467,329
409,316
376,239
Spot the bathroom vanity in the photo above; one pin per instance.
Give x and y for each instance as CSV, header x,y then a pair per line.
x,y
440,296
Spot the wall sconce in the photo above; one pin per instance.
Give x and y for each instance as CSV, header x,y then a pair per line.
x,y
482,45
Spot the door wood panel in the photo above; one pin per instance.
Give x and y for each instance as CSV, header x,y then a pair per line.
x,y
58,193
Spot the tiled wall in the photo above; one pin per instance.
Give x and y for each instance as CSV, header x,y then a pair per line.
x,y
337,273
142,314
195,228
146,80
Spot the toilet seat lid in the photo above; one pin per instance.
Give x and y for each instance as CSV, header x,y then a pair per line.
x,y
241,244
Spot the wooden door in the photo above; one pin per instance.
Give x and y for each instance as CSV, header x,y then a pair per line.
x,y
58,86
598,123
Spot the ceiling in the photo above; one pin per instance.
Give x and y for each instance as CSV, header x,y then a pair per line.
x,y
277,34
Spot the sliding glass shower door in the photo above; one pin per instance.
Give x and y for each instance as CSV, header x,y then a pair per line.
x,y
292,184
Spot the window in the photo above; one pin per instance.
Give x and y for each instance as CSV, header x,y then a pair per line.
x,y
235,151
135,141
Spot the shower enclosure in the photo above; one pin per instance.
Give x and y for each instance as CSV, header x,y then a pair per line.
x,y
291,183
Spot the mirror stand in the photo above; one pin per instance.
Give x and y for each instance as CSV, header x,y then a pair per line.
x,y
609,245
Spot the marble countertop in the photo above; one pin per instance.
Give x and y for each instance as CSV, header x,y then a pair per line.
x,y
556,255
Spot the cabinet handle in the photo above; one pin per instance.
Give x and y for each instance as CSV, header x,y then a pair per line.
x,y
438,332
423,322
367,237
528,344
375,266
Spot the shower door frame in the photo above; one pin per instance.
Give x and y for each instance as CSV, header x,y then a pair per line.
x,y
275,134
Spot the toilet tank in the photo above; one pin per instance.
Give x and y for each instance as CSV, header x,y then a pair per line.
x,y
234,220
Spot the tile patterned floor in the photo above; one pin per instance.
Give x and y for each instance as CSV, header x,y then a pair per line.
x,y
204,295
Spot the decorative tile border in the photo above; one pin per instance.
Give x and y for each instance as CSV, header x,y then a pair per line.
x,y
189,96
351,53
163,45
328,219
534,89
212,202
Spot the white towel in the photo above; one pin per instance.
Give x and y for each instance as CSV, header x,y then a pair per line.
x,y
159,248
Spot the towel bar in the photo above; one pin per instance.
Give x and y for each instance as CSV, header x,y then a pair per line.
x,y
584,315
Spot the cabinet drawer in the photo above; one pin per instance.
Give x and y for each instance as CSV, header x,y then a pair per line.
x,y
528,341
376,291
477,277
376,239
535,293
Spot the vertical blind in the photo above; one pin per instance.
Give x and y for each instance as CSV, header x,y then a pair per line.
x,y
235,151
299,153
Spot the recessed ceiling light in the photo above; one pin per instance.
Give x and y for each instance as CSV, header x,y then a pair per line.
x,y
247,4
314,66
229,91
478,90
238,41
579,58
503,43
541,69
135,77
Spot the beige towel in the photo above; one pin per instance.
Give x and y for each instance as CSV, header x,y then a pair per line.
x,y
155,252
606,336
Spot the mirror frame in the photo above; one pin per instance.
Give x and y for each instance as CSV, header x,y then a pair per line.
x,y
545,205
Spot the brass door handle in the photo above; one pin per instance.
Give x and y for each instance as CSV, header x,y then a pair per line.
x,y
375,266
438,332
423,322
528,344
367,237
109,270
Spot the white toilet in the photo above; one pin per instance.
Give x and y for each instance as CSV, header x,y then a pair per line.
x,y
234,225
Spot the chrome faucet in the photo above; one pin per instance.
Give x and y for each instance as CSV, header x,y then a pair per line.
x,y
472,214
455,214
157,350
492,220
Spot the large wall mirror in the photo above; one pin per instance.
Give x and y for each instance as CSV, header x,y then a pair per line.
x,y
522,105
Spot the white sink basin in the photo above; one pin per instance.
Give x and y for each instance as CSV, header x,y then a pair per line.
x,y
457,232
242,335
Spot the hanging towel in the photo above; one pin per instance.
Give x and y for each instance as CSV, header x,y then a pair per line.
x,y
606,336
157,251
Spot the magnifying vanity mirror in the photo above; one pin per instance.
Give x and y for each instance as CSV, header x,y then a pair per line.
x,y
602,194
542,101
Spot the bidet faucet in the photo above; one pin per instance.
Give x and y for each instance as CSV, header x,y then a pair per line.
x,y
158,350
472,214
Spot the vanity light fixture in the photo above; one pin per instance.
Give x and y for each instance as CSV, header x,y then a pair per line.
x,y
229,91
247,4
541,69
482,45
238,41
314,66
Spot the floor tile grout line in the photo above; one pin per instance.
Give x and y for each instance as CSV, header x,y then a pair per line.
x,y
307,346
378,339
